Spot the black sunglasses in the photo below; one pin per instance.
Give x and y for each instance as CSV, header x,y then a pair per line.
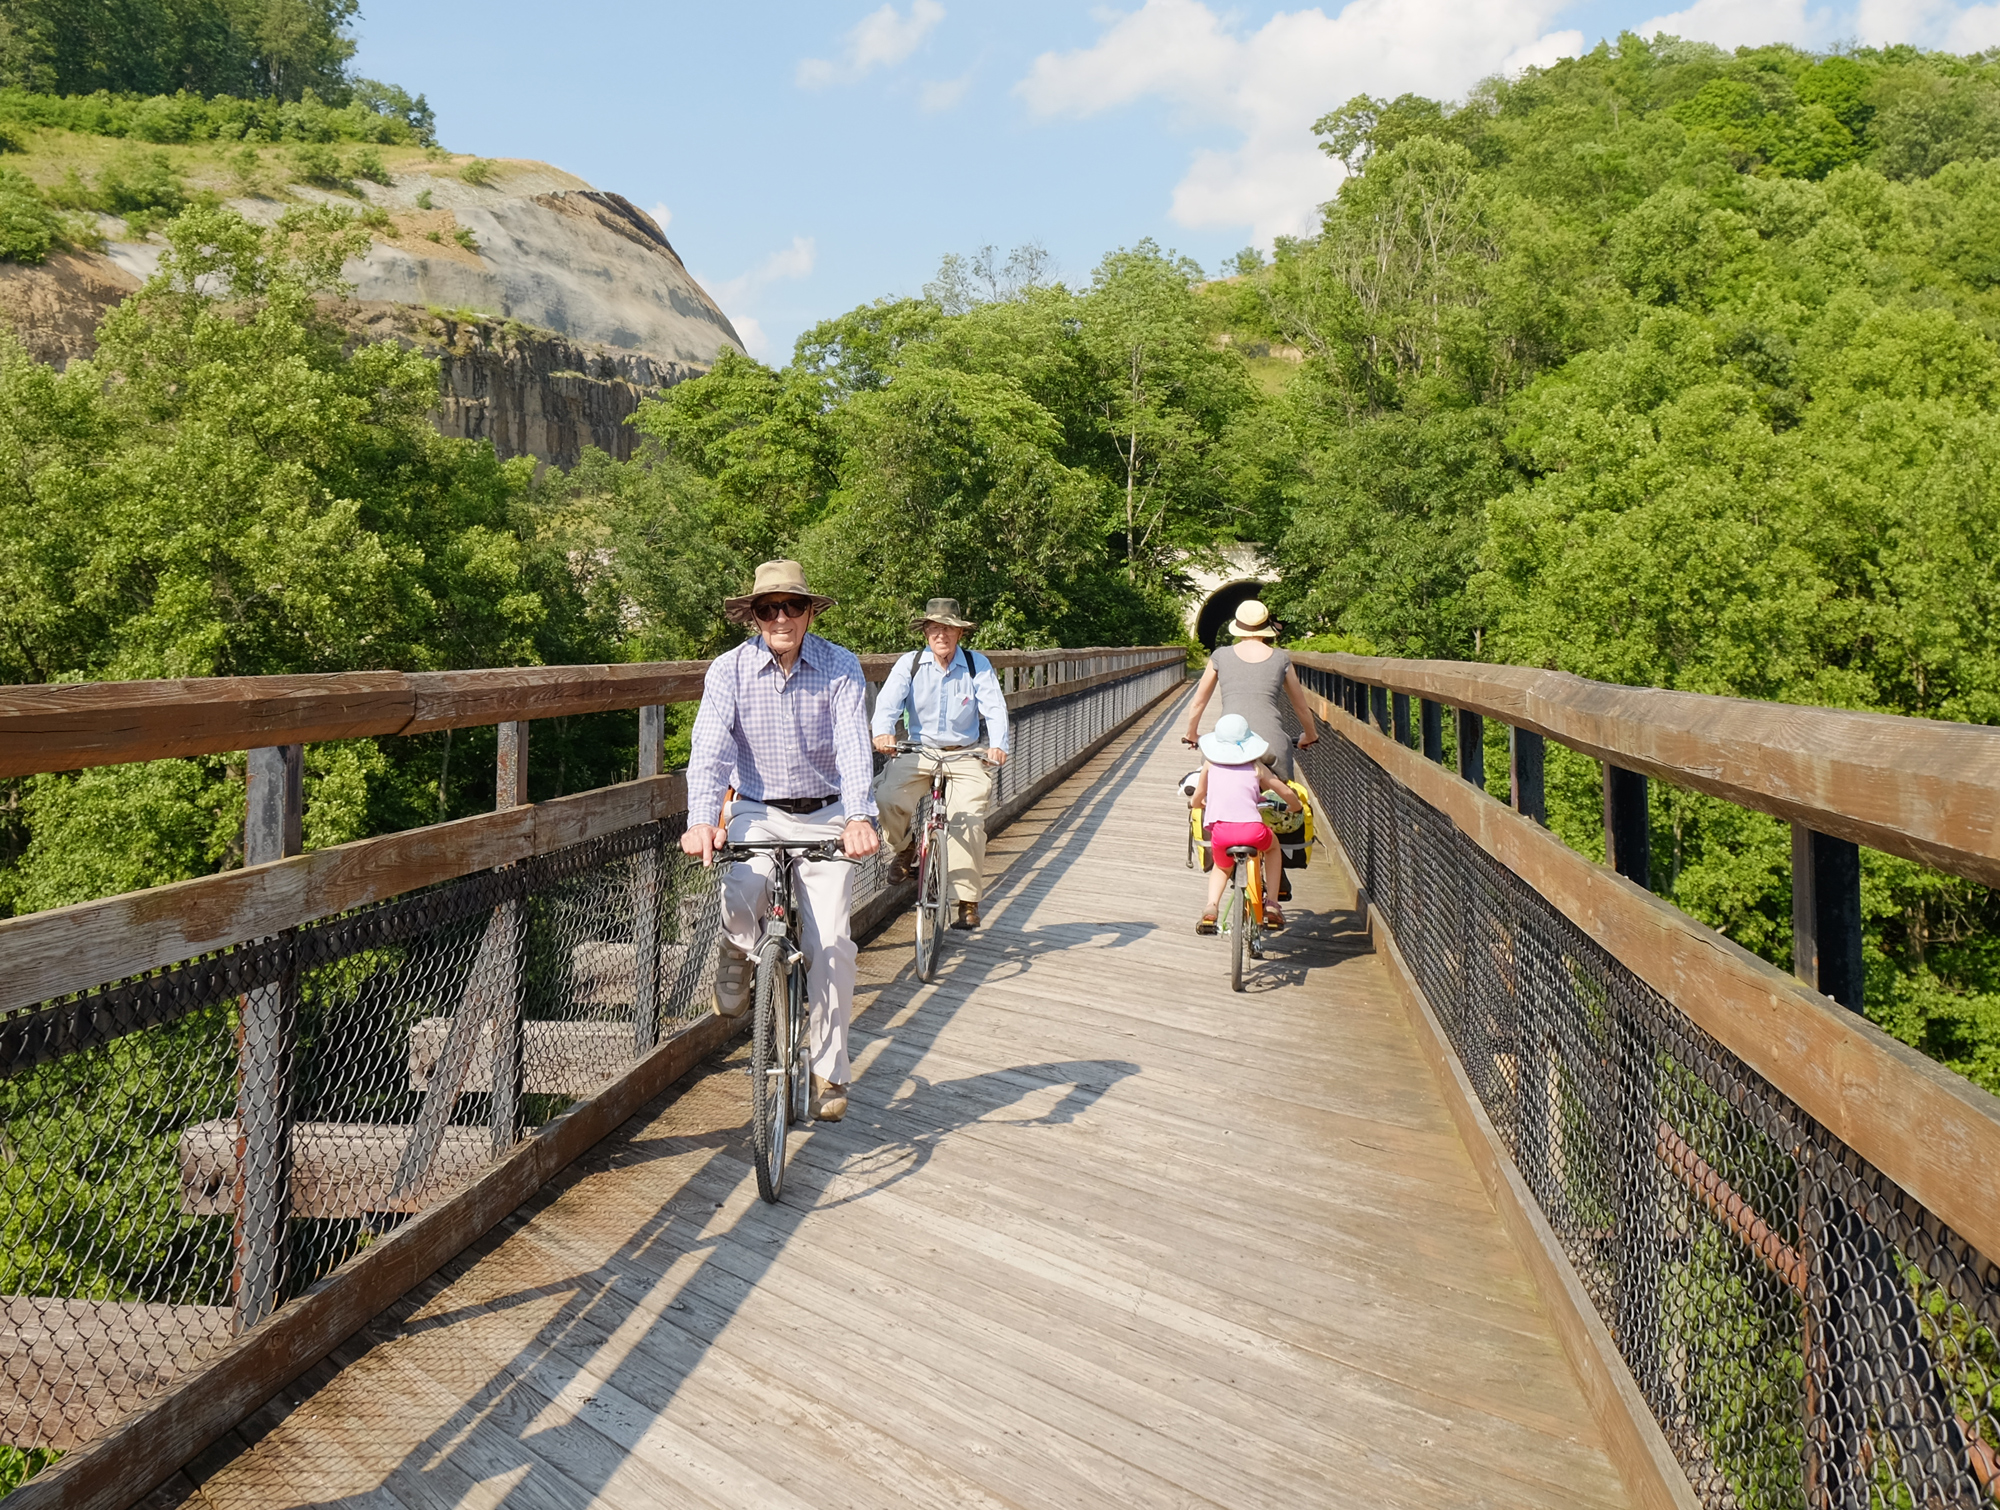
x,y
790,608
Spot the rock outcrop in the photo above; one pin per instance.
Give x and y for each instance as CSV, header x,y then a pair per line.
x,y
552,307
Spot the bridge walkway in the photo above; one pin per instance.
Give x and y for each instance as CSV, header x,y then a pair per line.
x,y
1096,1231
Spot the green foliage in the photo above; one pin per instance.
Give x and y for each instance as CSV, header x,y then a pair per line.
x,y
367,163
1671,367
464,237
17,1467
478,172
276,48
423,199
368,116
317,163
28,226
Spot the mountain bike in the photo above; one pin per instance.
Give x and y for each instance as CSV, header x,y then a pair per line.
x,y
781,1028
1242,915
933,896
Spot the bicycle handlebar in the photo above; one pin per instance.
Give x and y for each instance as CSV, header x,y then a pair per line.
x,y
984,752
817,849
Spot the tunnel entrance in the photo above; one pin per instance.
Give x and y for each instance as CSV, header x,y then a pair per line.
x,y
1213,620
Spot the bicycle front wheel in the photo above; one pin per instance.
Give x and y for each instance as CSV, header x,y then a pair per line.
x,y
932,905
770,1063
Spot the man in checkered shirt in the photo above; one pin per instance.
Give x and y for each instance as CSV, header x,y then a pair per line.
x,y
784,720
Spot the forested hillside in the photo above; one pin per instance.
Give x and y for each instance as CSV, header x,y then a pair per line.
x,y
1676,368
1663,365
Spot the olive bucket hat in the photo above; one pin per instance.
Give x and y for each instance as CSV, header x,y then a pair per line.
x,y
942,611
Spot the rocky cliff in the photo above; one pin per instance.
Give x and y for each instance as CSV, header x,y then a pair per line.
x,y
551,307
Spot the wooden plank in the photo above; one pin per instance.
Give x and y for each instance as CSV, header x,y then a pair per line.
x,y
71,725
146,1447
1645,1461
460,699
1924,789
1933,1132
75,724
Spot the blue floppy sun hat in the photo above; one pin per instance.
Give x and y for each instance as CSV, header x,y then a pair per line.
x,y
1230,742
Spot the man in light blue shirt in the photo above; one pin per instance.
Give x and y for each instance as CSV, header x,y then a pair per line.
x,y
942,692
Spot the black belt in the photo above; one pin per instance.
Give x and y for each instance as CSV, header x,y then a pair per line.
x,y
798,807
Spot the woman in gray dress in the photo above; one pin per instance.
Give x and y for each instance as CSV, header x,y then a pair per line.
x,y
1256,680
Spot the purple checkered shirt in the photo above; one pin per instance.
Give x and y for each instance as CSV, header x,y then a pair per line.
x,y
770,735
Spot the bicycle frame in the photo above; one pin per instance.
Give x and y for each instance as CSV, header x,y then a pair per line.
x,y
932,901
781,1032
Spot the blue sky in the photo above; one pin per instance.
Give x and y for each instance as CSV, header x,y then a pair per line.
x,y
808,157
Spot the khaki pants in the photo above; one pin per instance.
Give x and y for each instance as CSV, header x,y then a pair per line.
x,y
968,797
823,891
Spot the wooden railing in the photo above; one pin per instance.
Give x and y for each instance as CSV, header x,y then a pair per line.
x,y
1928,791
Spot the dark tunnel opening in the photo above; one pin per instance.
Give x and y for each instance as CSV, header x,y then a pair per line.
x,y
1220,609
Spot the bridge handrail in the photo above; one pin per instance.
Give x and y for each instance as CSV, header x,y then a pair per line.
x,y
1642,1081
133,932
67,726
1925,789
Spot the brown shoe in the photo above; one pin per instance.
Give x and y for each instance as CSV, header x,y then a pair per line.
x,y
902,864
829,1101
968,916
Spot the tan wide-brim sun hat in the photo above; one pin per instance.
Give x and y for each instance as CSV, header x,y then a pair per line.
x,y
942,611
1252,621
775,579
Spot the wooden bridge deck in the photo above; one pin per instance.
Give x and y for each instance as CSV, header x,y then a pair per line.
x,y
1095,1232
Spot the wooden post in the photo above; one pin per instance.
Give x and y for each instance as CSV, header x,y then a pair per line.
x,y
1628,836
1433,721
1826,914
1399,712
1472,748
267,1033
1525,754
651,872
511,790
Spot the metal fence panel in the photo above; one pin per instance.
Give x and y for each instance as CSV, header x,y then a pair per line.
x,y
1805,1333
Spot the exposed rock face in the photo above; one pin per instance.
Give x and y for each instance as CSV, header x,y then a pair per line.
x,y
561,309
54,308
530,392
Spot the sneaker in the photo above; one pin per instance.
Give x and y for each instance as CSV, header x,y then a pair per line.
x,y
968,916
734,975
829,1101
1207,924
902,864
1274,915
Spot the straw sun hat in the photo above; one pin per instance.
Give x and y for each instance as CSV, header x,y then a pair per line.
x,y
1252,621
774,579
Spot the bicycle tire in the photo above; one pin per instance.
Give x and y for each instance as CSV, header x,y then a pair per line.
x,y
800,1057
770,1098
1238,903
931,903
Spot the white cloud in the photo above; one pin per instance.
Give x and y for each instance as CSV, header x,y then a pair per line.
x,y
1543,52
662,216
882,39
1270,85
740,294
1731,23
942,94
1876,23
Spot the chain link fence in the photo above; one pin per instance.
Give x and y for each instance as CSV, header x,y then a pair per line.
x,y
1805,1333
183,1152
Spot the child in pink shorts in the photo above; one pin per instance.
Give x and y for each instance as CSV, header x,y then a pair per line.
x,y
1227,791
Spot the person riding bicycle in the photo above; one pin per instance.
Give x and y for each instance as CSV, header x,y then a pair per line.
x,y
1227,792
944,690
784,720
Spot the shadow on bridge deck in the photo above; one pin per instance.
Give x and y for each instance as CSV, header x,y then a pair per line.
x,y
1095,1231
